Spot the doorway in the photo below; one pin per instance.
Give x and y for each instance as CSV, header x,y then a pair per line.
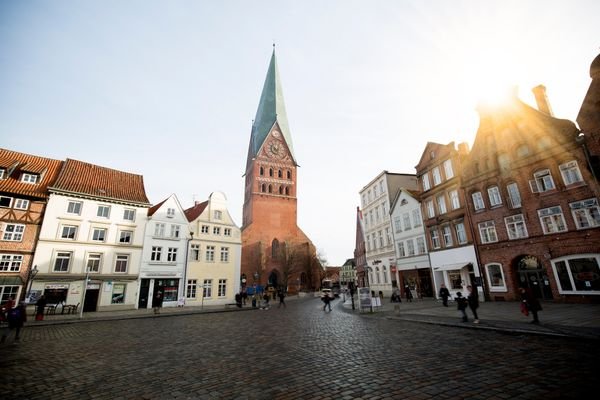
x,y
532,275
144,290
91,300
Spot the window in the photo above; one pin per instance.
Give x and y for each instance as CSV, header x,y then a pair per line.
x,y
172,254
495,277
384,273
448,169
377,214
478,201
401,252
13,232
204,229
10,262
416,215
523,150
118,294
447,233
175,231
384,209
455,280
261,171
2,173
8,292
570,173
68,232
5,201
224,254
103,211
578,274
218,214
216,230
494,196
222,287
170,212
74,207
195,250
515,226
380,239
461,234
61,263
375,192
21,204
435,239
542,181
441,203
425,181
381,187
121,264
421,249
125,236
586,213
93,262
437,178
406,219
410,247
210,253
289,174
207,288
192,287
156,253
454,199
29,178
487,232
129,214
552,220
514,196
226,231
397,224
430,209
159,229
99,234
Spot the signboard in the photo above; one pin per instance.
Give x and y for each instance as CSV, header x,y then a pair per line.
x,y
56,286
364,298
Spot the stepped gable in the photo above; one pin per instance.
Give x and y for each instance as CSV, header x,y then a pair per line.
x,y
15,164
85,179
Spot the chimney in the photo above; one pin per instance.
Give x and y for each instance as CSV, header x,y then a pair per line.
x,y
542,100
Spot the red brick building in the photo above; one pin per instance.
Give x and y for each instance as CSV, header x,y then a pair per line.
x,y
534,204
275,251
24,180
589,119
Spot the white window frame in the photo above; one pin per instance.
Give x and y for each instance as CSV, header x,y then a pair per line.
x,y
226,231
156,253
494,196
487,232
425,181
498,284
103,211
410,247
4,198
207,288
397,224
478,203
567,260
542,181
224,254
514,196
129,214
69,229
10,262
125,234
191,289
454,199
175,229
430,208
74,207
210,253
30,178
461,233
421,246
448,171
21,204
586,213
222,290
552,220
437,176
159,229
447,235
570,173
170,212
13,232
195,252
406,221
441,204
172,254
216,230
93,262
62,255
204,229
96,234
401,250
120,260
516,227
416,216
435,238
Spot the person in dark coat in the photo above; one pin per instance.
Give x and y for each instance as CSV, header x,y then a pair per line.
x,y
281,295
532,304
461,305
16,318
327,300
473,301
444,294
409,295
40,306
157,302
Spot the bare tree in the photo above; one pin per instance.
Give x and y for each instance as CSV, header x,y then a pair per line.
x,y
289,256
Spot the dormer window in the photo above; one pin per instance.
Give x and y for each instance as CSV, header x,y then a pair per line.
x,y
218,214
2,173
30,178
170,212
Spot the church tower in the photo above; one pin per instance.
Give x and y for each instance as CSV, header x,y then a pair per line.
x,y
275,252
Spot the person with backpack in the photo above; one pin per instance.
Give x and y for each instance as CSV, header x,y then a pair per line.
x,y
461,305
16,318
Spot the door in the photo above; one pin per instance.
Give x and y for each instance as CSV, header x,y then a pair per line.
x,y
91,300
144,289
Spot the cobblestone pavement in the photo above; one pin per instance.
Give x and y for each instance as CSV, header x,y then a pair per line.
x,y
299,352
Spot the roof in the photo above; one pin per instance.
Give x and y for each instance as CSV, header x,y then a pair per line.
x,y
271,110
84,179
194,212
16,164
155,207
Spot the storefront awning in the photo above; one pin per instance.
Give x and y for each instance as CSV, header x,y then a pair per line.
x,y
449,267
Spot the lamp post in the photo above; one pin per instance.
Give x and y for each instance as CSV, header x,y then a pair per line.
x,y
30,276
85,283
185,267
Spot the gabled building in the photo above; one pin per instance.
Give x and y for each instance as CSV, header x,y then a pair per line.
x,y
376,198
24,180
275,251
411,268
348,273
164,254
213,268
589,120
360,251
452,254
534,204
93,231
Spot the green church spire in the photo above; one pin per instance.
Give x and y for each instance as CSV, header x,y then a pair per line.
x,y
271,110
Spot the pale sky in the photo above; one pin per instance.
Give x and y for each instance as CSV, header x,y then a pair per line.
x,y
168,89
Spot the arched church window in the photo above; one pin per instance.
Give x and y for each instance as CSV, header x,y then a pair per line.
x,y
271,172
279,174
289,174
275,249
280,189
262,188
270,189
287,191
262,171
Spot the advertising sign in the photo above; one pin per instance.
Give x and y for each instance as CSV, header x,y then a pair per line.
x,y
364,298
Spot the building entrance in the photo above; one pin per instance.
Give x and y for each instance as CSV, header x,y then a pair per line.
x,y
533,275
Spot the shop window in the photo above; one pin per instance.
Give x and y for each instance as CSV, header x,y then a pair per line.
x,y
495,276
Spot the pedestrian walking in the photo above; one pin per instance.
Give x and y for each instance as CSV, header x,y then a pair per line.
x,y
40,307
461,305
408,293
16,318
327,300
281,295
532,305
265,302
444,294
473,301
238,300
157,302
